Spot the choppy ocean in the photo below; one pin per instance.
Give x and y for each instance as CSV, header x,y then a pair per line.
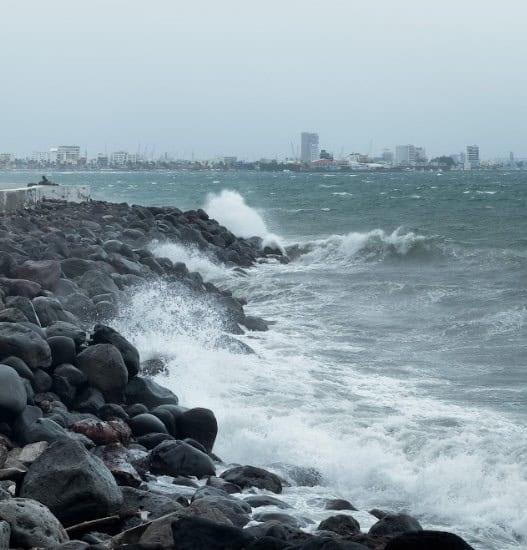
x,y
397,364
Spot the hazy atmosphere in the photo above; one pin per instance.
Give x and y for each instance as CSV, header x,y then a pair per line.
x,y
245,78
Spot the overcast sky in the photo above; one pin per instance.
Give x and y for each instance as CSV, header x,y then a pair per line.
x,y
245,77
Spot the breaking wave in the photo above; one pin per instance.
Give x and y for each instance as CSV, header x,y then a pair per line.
x,y
372,245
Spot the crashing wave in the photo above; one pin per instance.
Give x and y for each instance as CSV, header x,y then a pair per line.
x,y
372,245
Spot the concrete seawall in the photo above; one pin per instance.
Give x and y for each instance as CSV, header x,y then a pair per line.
x,y
12,200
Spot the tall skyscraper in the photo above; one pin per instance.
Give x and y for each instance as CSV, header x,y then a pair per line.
x,y
309,147
405,155
472,157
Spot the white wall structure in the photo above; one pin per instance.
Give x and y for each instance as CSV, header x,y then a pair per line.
x,y
12,200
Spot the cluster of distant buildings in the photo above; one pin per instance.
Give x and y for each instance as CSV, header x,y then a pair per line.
x,y
311,157
405,157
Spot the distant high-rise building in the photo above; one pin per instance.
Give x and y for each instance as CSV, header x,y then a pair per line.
x,y
119,158
387,156
472,157
405,155
102,160
309,147
420,155
40,157
68,154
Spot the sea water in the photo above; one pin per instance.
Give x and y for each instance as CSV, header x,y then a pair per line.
x,y
396,365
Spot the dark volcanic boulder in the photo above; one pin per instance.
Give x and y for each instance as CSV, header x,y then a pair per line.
x,y
198,424
339,504
62,350
25,306
30,427
20,287
44,272
62,328
103,334
146,423
22,342
12,315
177,458
394,524
75,485
264,500
21,368
97,282
342,524
236,510
13,395
32,524
197,533
105,369
250,476
428,540
49,310
149,393
157,505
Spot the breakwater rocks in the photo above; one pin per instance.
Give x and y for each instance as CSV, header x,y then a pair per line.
x,y
95,453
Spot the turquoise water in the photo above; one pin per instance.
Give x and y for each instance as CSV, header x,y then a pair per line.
x,y
397,364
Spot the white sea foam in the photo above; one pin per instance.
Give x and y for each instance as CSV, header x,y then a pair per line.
x,y
231,210
193,258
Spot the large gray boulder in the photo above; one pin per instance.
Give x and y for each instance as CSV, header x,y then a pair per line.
x,y
44,272
103,334
104,366
49,311
13,395
177,458
149,393
23,342
250,476
95,282
394,524
32,524
74,484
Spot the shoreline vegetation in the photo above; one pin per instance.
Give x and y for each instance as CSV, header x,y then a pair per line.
x,y
94,451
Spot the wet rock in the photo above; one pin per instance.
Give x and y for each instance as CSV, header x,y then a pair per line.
x,y
103,334
115,458
154,366
89,400
80,305
97,282
339,504
135,409
31,427
149,393
13,395
156,505
32,524
255,323
12,315
284,519
70,373
42,381
250,476
394,524
29,453
278,530
342,524
219,483
178,458
112,411
199,424
25,306
105,369
62,328
50,310
24,343
151,441
21,368
201,533
428,540
102,433
75,485
143,424
20,287
234,510
44,272
257,501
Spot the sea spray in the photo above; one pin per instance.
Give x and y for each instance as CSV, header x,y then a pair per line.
x,y
231,210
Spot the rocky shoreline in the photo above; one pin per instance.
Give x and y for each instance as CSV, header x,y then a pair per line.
x,y
95,453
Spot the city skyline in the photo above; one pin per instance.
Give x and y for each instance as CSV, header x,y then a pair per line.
x,y
205,77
